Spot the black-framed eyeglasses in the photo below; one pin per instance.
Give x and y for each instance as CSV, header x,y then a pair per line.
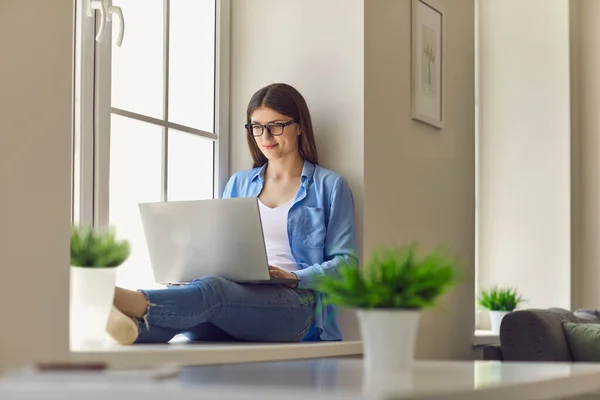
x,y
274,128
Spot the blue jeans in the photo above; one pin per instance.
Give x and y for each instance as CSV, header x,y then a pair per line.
x,y
215,309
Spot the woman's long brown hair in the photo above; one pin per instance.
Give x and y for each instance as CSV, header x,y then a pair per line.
x,y
286,100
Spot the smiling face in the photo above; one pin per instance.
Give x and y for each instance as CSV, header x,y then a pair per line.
x,y
275,147
279,103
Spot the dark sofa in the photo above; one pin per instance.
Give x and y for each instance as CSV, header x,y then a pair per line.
x,y
536,335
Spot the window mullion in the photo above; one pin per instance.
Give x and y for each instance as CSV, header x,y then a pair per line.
x,y
83,132
221,117
166,40
102,122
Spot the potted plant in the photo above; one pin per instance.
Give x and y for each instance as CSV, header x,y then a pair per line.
x,y
95,257
499,301
390,294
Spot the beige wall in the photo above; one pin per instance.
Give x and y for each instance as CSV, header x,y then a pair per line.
x,y
419,181
35,152
318,48
585,80
524,149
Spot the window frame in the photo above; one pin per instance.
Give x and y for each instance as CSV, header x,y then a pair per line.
x,y
90,172
92,113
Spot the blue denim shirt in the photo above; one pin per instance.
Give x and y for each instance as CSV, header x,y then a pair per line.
x,y
320,230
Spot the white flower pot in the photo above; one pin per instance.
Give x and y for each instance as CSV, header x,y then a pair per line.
x,y
92,292
496,319
388,337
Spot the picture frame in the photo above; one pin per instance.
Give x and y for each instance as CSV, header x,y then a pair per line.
x,y
427,57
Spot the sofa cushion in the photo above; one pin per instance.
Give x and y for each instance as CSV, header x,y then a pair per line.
x,y
583,340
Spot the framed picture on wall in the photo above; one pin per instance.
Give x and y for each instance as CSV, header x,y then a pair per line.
x,y
427,23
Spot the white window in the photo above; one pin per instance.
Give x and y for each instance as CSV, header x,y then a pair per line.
x,y
151,117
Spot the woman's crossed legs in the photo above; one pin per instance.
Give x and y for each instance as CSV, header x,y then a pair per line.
x,y
214,309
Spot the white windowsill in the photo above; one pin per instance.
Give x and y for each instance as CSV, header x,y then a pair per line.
x,y
138,356
485,338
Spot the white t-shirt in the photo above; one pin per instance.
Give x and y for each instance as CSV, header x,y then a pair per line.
x,y
277,243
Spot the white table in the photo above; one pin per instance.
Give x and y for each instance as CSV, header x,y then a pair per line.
x,y
317,379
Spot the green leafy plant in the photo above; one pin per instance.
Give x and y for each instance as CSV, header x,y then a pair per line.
x,y
93,249
500,299
395,278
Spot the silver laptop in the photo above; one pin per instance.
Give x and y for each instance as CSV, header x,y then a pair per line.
x,y
188,240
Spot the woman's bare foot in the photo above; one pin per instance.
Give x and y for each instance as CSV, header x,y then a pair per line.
x,y
130,302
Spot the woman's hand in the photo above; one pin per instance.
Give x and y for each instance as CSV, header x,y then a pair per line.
x,y
277,272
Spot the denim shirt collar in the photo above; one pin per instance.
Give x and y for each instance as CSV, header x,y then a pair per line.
x,y
308,170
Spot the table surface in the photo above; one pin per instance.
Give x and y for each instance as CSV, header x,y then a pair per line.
x,y
316,379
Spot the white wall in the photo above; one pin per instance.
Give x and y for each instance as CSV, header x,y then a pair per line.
x,y
524,143
317,47
35,167
420,181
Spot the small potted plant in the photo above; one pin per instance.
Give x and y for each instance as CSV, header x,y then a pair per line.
x,y
390,294
499,301
95,257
